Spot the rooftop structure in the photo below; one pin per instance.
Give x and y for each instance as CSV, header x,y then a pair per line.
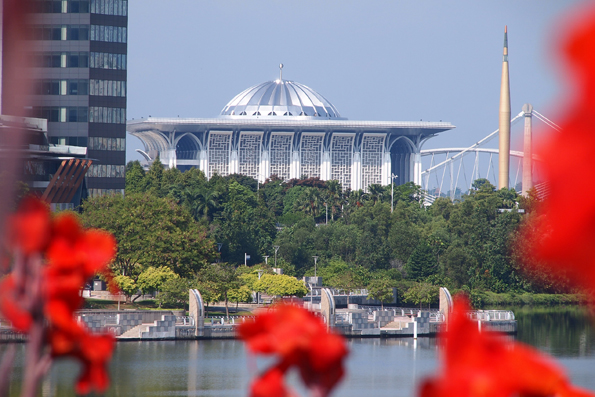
x,y
287,129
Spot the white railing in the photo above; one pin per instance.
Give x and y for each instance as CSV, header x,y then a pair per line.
x,y
185,320
492,315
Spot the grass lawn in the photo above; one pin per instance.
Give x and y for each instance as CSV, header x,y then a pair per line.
x,y
103,304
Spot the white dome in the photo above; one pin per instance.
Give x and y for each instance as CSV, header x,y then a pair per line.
x,y
282,98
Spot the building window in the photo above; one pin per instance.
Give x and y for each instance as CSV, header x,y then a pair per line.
x,y
106,171
109,7
61,60
61,87
69,140
104,60
102,143
60,6
61,114
100,114
112,34
107,88
59,32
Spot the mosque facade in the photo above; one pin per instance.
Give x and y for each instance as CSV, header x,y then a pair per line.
x,y
286,129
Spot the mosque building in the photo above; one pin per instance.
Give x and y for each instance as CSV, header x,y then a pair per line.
x,y
287,129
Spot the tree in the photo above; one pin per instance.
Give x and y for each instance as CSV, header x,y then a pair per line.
x,y
127,285
150,231
422,293
152,279
382,290
135,177
241,294
174,292
221,278
421,263
280,285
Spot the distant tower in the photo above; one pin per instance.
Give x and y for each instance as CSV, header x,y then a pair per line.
x,y
504,124
527,150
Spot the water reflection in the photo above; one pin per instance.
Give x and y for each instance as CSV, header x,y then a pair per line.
x,y
379,367
559,331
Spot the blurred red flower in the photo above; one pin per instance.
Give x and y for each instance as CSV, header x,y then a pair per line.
x,y
300,340
562,231
54,259
487,364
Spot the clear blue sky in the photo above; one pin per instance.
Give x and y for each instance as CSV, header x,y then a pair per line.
x,y
395,60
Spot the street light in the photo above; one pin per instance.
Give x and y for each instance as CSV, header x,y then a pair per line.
x,y
392,191
276,247
266,260
315,259
326,205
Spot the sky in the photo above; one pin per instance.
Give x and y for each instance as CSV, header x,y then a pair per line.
x,y
404,60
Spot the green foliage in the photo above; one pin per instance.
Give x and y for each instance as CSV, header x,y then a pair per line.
x,y
150,231
422,294
381,289
218,279
127,285
241,294
280,285
468,241
151,279
421,263
174,292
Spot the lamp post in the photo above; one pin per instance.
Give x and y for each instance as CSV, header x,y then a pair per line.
x,y
260,271
276,247
315,259
392,191
326,206
266,259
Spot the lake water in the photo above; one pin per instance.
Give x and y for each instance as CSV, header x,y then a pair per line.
x,y
378,367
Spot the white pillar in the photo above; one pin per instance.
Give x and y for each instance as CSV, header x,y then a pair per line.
x,y
386,168
234,165
417,169
325,170
527,150
356,172
265,166
170,158
203,162
294,168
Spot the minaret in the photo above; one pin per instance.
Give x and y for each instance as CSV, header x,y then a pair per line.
x,y
527,150
504,124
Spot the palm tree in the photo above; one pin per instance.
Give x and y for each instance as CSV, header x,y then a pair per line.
x,y
376,192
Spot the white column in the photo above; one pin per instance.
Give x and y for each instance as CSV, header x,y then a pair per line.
x,y
325,170
417,168
356,172
234,164
203,162
170,158
294,168
387,167
265,166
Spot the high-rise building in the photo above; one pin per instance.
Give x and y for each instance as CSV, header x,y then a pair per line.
x,y
78,58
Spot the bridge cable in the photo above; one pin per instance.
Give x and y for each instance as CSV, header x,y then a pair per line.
x,y
481,142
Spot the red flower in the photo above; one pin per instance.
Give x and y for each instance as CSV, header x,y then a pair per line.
x,y
29,228
46,295
487,364
301,340
564,231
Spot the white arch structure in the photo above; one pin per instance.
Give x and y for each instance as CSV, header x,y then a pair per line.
x,y
454,155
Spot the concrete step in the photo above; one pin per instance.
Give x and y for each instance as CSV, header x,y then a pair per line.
x,y
136,332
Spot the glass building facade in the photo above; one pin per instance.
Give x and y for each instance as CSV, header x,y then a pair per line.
x,y
79,69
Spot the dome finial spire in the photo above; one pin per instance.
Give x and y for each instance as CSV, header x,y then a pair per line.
x,y
281,72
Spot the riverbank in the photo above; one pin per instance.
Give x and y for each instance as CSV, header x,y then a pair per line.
x,y
483,299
